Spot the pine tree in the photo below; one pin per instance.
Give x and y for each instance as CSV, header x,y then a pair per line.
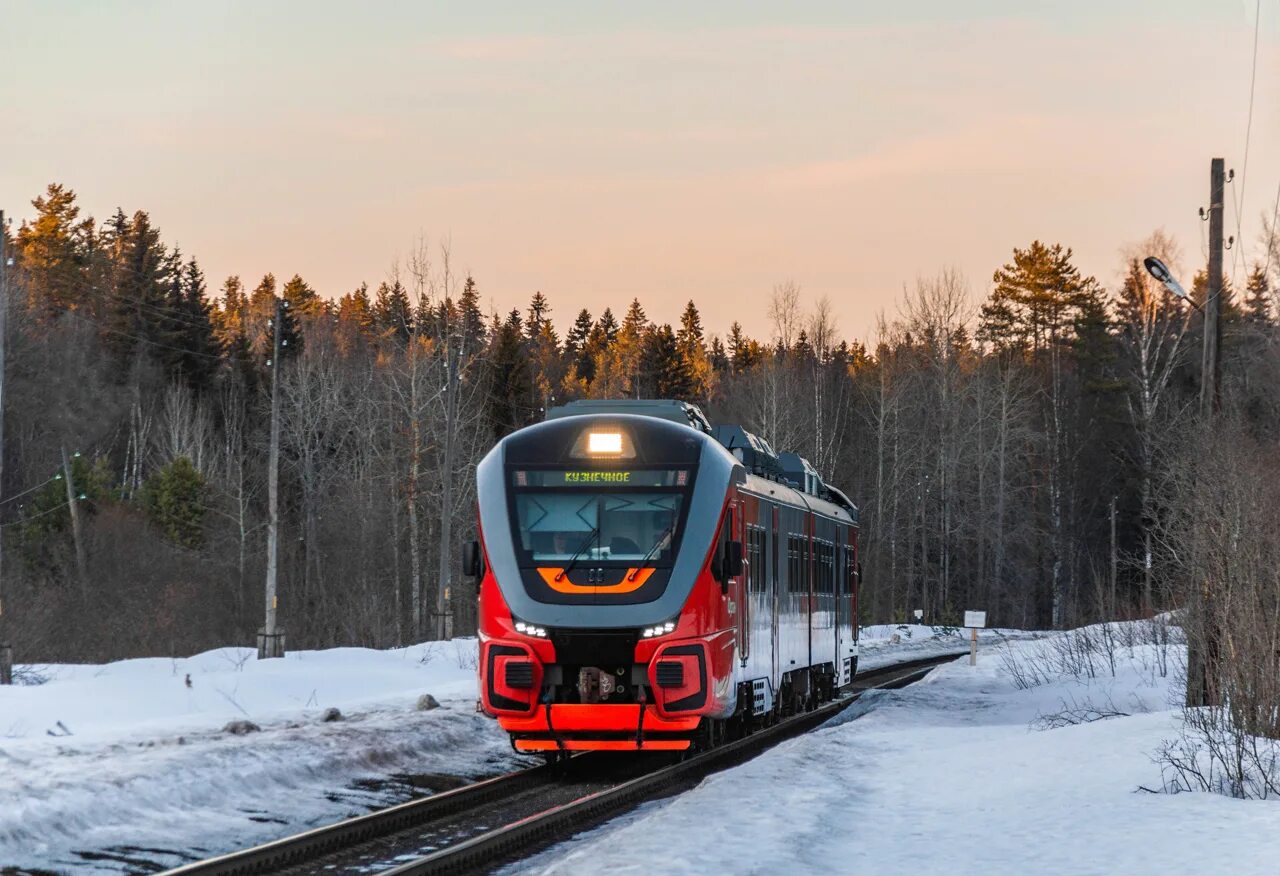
x,y
1035,301
303,300
53,252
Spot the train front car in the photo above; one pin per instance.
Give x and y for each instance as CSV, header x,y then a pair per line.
x,y
605,611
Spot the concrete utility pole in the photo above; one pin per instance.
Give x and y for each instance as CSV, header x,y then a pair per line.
x,y
1202,666
77,525
444,602
6,650
271,637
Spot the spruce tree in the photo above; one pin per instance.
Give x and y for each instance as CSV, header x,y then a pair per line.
x,y
575,340
199,357
510,379
174,500
1257,298
392,312
666,371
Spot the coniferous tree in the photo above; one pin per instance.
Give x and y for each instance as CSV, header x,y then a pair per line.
x,y
511,382
667,372
201,349
1257,298
392,312
54,252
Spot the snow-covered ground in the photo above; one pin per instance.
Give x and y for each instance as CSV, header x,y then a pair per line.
x,y
953,776
126,765
129,761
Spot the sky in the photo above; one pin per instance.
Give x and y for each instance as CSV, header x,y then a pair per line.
x,y
600,152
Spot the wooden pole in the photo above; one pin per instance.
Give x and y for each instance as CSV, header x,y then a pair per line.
x,y
973,646
1202,654
270,637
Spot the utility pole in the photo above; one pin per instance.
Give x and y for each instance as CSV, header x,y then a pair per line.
x,y
1202,656
1112,609
6,649
444,606
77,526
1211,365
271,637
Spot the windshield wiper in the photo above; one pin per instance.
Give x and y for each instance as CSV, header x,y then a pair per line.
x,y
595,534
652,551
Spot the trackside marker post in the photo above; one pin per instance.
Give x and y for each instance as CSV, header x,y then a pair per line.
x,y
974,620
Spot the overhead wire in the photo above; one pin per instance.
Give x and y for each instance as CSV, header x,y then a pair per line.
x,y
1248,131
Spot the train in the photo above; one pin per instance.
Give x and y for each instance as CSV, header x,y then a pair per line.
x,y
649,582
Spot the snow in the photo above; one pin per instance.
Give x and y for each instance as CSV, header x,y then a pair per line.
x,y
949,777
945,776
147,766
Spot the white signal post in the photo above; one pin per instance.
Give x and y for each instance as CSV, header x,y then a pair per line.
x,y
974,620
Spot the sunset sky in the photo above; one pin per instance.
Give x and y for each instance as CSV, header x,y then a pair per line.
x,y
598,152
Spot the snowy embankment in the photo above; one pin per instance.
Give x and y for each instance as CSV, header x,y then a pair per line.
x,y
130,759
1032,762
129,762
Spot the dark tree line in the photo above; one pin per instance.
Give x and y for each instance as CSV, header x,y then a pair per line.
x,y
987,445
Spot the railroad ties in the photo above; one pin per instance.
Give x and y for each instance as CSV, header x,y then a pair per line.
x,y
478,827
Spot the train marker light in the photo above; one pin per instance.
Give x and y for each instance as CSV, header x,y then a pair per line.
x,y
659,629
609,443
531,630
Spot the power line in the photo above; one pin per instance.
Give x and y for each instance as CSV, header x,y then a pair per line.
x,y
1273,239
28,492
1248,130
44,513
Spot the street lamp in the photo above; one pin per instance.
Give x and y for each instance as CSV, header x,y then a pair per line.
x,y
1161,272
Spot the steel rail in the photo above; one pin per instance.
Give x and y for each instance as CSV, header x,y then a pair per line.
x,y
489,849
500,846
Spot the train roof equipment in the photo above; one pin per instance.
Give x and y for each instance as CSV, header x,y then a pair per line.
x,y
751,450
664,409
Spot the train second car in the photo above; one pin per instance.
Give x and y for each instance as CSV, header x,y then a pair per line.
x,y
647,582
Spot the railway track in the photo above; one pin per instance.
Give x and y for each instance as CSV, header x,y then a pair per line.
x,y
478,827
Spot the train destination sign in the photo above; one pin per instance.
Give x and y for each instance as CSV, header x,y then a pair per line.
x,y
602,478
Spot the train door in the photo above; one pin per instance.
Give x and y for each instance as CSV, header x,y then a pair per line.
x,y
739,598
841,582
774,526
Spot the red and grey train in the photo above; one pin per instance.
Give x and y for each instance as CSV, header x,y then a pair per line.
x,y
647,582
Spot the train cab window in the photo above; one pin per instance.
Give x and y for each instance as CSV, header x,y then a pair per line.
x,y
554,527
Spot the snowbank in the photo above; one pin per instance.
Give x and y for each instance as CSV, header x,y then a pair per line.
x,y
129,759
948,777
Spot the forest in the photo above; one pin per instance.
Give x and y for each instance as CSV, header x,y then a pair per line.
x,y
1032,445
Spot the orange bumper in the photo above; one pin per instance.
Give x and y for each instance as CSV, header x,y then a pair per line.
x,y
589,727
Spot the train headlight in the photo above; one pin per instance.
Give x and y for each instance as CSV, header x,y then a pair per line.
x,y
609,443
531,629
661,629
603,442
